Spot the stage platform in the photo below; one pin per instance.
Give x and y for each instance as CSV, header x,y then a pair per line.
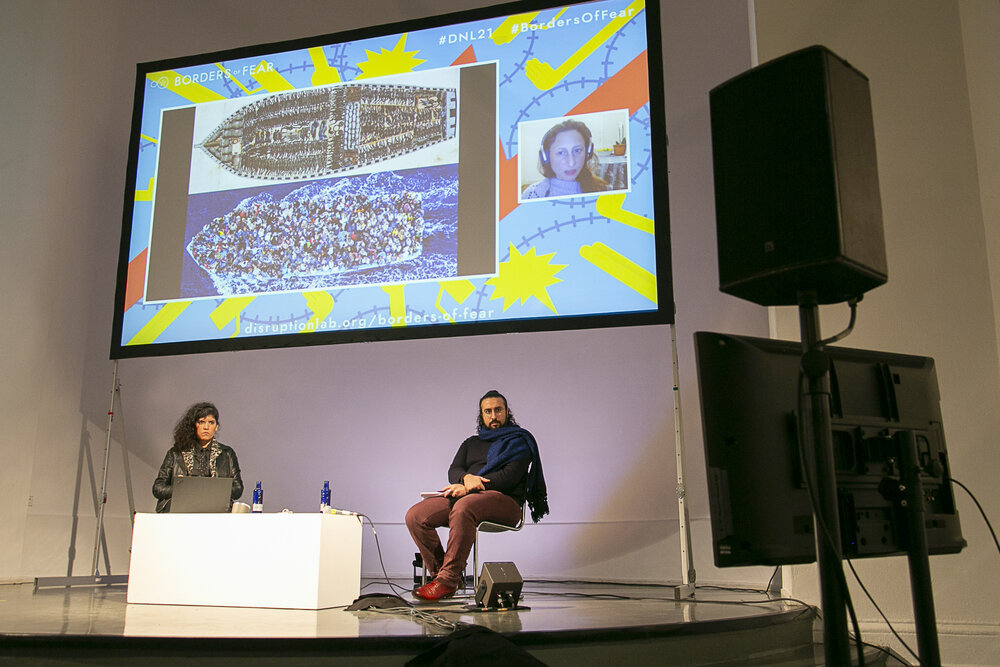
x,y
567,623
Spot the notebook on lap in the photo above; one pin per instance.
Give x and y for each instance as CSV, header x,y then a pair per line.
x,y
201,494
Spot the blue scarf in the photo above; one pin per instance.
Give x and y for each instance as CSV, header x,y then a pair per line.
x,y
509,443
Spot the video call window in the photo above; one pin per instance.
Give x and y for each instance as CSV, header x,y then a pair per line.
x,y
576,155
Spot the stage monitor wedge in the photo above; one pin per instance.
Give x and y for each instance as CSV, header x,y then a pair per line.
x,y
387,182
796,181
499,586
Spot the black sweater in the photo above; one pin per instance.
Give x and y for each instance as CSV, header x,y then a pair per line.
x,y
471,457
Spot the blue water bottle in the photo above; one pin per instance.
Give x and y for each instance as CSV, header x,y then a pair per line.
x,y
324,497
258,500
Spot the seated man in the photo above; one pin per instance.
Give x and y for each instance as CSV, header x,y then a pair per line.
x,y
492,475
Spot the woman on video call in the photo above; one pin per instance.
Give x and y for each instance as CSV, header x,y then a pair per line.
x,y
564,157
196,453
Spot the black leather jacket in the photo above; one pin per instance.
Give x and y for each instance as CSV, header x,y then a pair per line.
x,y
225,465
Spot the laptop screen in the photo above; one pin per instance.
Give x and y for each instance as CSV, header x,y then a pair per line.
x,y
201,494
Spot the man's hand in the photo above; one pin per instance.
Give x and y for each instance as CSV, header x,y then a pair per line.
x,y
454,491
474,483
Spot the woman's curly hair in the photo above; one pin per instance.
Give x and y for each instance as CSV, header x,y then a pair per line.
x,y
186,430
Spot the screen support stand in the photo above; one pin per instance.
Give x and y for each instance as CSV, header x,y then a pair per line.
x,y
817,450
95,578
912,503
686,589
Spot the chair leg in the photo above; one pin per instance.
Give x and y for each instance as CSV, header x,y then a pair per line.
x,y
423,568
475,564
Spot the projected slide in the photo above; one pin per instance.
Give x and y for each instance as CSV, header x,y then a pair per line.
x,y
490,173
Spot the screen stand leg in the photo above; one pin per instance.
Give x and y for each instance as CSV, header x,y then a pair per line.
x,y
817,449
95,578
688,575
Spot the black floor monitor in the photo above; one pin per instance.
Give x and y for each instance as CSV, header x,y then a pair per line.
x,y
759,504
499,586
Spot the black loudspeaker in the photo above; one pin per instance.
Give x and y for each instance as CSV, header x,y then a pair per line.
x,y
499,585
796,182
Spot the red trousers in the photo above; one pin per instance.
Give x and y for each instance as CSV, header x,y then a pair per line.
x,y
461,516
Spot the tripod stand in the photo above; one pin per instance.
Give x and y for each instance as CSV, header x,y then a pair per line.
x,y
906,492
95,577
819,434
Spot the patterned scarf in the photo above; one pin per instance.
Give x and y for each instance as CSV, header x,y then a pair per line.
x,y
188,456
509,443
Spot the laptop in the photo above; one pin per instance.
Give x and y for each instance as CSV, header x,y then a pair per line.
x,y
201,494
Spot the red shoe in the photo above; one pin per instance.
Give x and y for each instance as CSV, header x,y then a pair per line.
x,y
435,591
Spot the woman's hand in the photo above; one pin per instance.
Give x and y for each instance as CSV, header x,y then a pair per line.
x,y
454,491
474,483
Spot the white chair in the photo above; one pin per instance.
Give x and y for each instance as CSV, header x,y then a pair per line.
x,y
486,527
491,527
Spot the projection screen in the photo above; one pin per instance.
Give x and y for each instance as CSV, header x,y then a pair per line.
x,y
496,170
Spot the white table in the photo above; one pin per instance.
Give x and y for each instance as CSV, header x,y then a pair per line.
x,y
289,561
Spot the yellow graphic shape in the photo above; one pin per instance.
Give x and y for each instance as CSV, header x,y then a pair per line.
x,y
610,206
621,268
239,83
389,62
159,323
270,79
149,138
230,310
397,304
320,303
511,27
525,276
459,290
183,86
147,194
544,76
322,72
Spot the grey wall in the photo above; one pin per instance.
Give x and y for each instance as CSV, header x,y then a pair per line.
x,y
380,420
934,70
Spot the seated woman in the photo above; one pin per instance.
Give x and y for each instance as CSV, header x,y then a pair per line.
x,y
563,159
196,453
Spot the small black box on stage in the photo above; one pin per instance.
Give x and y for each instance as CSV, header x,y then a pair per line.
x,y
499,585
797,199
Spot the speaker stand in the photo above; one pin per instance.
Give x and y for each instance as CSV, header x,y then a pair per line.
x,y
911,500
817,452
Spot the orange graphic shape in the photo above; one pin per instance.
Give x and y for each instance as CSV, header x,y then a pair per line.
x,y
468,57
508,183
629,87
135,279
